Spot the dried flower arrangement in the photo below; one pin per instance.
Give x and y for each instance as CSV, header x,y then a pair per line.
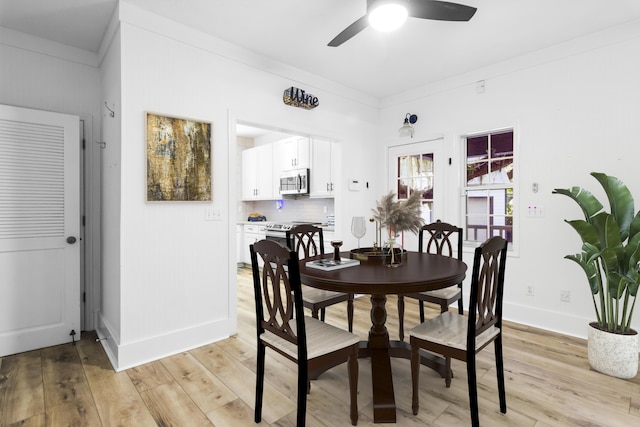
x,y
398,216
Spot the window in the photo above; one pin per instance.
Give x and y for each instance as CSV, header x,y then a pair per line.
x,y
489,186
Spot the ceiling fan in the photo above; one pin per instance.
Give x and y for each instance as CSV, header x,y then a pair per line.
x,y
424,9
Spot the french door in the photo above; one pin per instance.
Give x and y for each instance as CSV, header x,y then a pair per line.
x,y
418,167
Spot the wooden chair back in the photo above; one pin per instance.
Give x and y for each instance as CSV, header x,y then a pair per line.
x,y
306,240
278,294
487,288
441,238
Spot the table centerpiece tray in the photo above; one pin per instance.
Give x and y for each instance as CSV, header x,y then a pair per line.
x,y
375,254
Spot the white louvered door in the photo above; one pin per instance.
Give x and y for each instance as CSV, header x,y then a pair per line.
x,y
39,229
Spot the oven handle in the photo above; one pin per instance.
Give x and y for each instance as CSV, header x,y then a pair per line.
x,y
276,234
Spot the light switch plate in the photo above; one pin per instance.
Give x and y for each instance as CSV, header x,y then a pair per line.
x,y
212,214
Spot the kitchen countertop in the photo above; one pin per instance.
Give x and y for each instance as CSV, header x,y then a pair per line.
x,y
324,226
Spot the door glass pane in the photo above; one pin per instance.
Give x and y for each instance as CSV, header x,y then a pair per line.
x,y
427,212
426,164
403,188
403,166
415,173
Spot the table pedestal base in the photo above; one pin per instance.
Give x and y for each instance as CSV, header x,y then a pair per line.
x,y
380,350
384,406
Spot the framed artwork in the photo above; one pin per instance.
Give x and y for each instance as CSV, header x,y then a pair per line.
x,y
178,159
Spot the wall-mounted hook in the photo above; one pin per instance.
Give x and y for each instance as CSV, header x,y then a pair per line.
x,y
102,144
111,112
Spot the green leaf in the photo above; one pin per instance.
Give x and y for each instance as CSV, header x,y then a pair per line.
x,y
590,268
634,281
634,227
620,200
587,231
632,252
591,252
587,201
609,235
610,260
617,284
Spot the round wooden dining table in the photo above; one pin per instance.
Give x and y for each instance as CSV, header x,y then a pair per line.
x,y
418,272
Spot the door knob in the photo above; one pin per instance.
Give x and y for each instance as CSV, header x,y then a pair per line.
x,y
71,240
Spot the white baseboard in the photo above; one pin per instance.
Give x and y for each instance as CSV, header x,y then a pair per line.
x,y
129,355
549,320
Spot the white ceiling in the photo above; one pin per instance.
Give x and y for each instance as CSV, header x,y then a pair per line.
x,y
296,32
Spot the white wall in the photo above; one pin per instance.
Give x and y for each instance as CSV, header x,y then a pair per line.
x,y
44,75
110,325
171,273
575,110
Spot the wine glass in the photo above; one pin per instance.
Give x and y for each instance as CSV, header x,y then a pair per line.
x,y
358,228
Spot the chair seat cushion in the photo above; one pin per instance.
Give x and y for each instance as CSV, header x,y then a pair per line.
x,y
314,296
445,293
322,339
451,330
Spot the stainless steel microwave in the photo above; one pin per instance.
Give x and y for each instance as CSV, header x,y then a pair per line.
x,y
294,182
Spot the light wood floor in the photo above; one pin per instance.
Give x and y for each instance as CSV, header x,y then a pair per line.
x,y
548,383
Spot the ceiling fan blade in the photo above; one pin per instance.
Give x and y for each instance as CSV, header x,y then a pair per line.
x,y
349,32
440,10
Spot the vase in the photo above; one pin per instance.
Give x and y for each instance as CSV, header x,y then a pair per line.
x,y
612,354
392,255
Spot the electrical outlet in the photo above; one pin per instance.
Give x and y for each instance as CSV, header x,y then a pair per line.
x,y
531,291
565,296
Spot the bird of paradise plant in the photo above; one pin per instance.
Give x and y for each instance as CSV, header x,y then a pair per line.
x,y
610,251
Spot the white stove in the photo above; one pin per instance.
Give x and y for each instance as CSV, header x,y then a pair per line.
x,y
277,227
278,231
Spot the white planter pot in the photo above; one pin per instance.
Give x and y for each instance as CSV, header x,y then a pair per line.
x,y
613,354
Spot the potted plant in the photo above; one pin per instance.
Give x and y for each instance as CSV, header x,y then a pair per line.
x,y
610,259
398,216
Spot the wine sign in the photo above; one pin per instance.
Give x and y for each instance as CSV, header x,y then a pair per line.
x,y
299,98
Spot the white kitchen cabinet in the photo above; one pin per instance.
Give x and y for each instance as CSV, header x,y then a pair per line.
x,y
258,179
252,233
292,153
322,169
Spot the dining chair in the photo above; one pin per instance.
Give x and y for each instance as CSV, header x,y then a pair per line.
x,y
441,238
307,240
306,341
462,337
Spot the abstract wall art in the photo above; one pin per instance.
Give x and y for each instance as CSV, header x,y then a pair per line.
x,y
178,159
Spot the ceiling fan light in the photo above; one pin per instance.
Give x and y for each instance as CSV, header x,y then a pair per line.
x,y
387,17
